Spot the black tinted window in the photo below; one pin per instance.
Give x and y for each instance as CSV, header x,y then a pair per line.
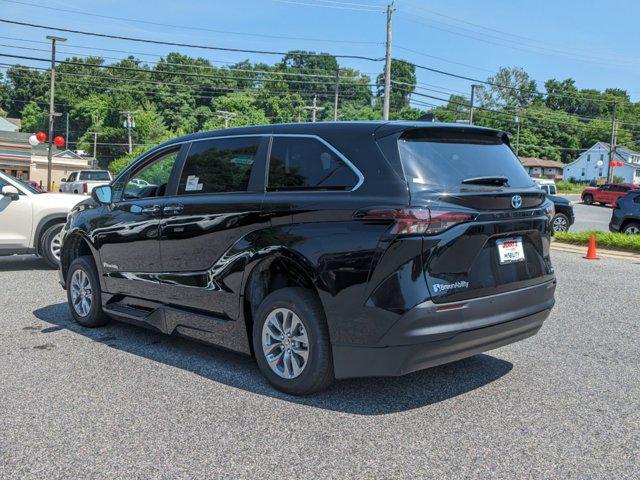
x,y
220,165
443,158
306,163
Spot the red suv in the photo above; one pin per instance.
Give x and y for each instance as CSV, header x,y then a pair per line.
x,y
607,193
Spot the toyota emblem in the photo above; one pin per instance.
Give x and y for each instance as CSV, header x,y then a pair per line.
x,y
516,201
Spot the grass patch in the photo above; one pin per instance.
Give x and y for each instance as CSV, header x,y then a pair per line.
x,y
613,241
568,187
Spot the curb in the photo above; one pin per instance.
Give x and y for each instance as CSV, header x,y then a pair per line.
x,y
603,252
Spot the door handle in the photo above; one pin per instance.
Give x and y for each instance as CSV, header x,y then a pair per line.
x,y
153,209
173,209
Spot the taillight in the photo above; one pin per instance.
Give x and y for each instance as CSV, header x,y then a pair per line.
x,y
408,221
84,188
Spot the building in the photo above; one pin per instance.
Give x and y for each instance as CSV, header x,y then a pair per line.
x,y
9,124
541,168
591,166
20,159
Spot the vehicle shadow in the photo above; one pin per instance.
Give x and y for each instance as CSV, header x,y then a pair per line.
x,y
15,263
366,396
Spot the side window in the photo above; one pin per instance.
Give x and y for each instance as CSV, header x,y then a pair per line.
x,y
219,165
150,180
72,177
301,163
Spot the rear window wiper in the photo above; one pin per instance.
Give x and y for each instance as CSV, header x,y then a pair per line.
x,y
500,181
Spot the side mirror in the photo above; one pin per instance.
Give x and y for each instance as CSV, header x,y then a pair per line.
x,y
102,194
11,192
63,180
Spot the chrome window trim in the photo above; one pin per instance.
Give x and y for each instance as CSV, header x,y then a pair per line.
x,y
353,168
347,162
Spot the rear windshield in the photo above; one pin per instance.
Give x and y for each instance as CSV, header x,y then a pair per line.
x,y
445,158
97,176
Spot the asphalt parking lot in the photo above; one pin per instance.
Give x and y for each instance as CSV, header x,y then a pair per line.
x,y
591,217
122,402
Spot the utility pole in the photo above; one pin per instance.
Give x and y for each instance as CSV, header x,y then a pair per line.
x,y
614,139
227,116
471,105
387,66
67,130
517,134
95,148
314,108
52,113
335,98
129,123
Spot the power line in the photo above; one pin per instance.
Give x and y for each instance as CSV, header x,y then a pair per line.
x,y
339,7
189,27
191,65
186,45
523,46
171,73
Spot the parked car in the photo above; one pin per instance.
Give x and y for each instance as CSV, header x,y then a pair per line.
x,y
546,185
563,217
326,250
626,214
606,194
84,181
30,221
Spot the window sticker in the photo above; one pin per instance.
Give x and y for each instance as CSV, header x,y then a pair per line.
x,y
192,184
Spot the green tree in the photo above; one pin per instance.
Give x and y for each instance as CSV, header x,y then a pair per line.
x,y
403,84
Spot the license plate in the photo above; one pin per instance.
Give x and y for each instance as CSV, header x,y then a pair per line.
x,y
510,250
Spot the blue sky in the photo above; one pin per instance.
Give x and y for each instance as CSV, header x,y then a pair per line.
x,y
595,43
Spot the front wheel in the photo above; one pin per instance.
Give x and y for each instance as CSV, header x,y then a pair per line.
x,y
83,293
291,342
632,229
560,223
49,247
588,199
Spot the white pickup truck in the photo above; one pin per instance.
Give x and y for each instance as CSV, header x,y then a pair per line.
x,y
83,181
30,221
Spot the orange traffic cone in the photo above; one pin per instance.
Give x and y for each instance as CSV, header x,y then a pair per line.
x,y
591,252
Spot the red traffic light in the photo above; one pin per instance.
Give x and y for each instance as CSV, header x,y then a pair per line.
x,y
59,141
620,164
613,164
41,136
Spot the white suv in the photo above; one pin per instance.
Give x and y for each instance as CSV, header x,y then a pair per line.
x,y
30,221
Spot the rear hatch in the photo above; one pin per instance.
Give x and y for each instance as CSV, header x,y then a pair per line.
x,y
495,236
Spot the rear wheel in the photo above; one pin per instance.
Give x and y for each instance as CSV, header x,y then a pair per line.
x,y
588,199
291,342
83,293
632,228
49,247
560,223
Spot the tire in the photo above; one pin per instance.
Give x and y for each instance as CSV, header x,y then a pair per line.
x,y
560,223
93,316
49,246
587,199
316,372
632,228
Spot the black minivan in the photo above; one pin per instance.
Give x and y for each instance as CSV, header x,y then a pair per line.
x,y
325,250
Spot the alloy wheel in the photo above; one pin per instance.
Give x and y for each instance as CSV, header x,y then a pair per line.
x,y
560,224
285,343
81,293
54,246
632,230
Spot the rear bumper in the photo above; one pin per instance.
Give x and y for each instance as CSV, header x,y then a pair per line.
x,y
427,335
